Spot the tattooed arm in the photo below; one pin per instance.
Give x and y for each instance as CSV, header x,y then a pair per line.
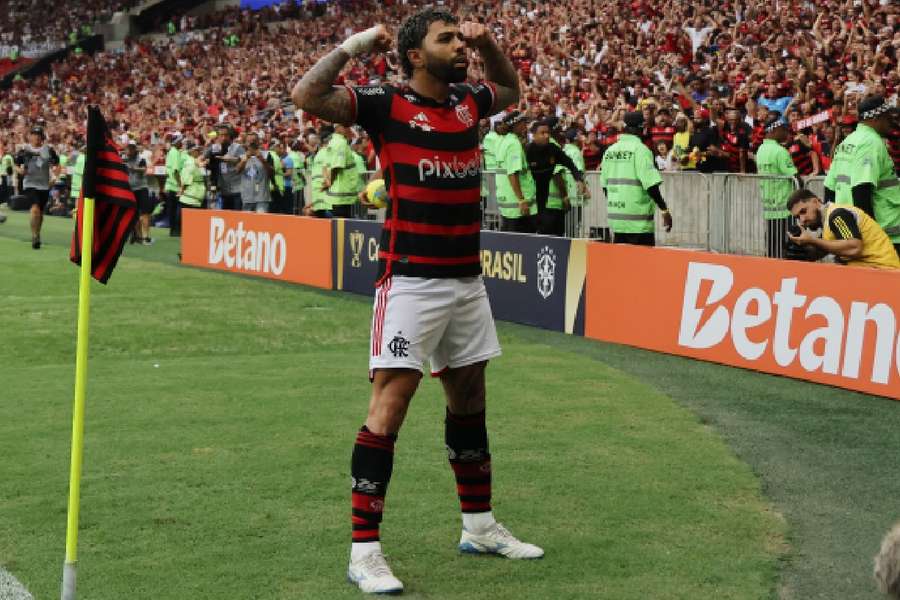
x,y
497,66
316,93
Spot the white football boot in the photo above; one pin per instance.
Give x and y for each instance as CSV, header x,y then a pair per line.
x,y
496,539
373,575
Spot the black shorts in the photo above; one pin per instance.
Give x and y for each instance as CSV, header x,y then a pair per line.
x,y
144,201
39,197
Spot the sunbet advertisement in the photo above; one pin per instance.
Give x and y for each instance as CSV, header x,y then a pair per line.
x,y
830,324
534,280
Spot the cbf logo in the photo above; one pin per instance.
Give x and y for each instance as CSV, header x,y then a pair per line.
x,y
546,271
399,346
464,115
357,240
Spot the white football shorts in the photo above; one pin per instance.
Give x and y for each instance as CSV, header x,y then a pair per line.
x,y
445,321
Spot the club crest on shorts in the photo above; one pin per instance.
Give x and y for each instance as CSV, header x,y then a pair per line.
x,y
464,115
399,346
546,272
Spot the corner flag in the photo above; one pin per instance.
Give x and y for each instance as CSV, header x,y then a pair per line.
x,y
106,181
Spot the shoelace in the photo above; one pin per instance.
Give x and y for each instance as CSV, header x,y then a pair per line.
x,y
375,564
502,534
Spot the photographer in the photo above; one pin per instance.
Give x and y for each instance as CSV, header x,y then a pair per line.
x,y
33,164
255,172
848,233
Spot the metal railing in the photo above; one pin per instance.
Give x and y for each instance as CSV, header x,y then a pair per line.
x,y
719,212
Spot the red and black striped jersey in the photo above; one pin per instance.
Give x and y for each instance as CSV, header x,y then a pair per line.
x,y
735,141
801,154
893,144
662,134
432,170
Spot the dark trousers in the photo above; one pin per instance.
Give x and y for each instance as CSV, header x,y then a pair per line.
x,y
776,237
552,222
344,211
638,239
524,224
231,202
897,249
173,211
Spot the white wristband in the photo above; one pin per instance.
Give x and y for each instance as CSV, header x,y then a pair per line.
x,y
360,43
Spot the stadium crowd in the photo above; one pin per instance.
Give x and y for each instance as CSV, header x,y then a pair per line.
x,y
684,62
707,76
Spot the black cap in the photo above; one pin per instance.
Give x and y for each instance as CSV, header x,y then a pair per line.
x,y
634,119
325,131
872,107
513,118
774,122
571,134
38,130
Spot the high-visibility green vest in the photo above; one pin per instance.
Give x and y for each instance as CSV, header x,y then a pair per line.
x,y
574,152
511,159
489,149
299,163
360,171
627,172
319,201
194,183
174,161
277,172
773,159
63,163
344,176
170,27
860,159
556,195
77,174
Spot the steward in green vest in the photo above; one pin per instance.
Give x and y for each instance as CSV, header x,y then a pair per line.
x,y
298,166
862,173
515,186
773,159
341,179
77,175
490,145
318,200
361,179
7,169
576,198
631,184
276,181
193,183
174,162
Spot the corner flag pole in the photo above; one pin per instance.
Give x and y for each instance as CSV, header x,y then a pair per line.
x,y
81,362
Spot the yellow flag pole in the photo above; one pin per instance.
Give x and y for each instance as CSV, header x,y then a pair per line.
x,y
81,362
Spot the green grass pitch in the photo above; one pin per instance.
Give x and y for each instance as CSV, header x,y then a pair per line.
x,y
221,413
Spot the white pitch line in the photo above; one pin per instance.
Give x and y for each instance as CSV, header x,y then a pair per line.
x,y
11,589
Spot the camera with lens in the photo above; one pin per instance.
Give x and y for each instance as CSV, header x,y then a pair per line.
x,y
794,251
24,156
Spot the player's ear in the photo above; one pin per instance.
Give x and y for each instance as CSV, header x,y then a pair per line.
x,y
416,57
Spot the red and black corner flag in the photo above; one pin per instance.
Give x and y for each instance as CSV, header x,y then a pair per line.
x,y
106,181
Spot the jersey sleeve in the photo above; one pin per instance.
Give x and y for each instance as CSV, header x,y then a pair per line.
x,y
842,223
484,93
371,106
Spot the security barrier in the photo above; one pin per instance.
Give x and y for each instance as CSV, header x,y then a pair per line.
x,y
719,212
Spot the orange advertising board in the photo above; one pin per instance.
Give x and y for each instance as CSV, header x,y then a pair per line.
x,y
825,323
283,247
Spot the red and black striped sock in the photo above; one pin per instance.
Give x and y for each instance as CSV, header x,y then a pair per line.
x,y
470,458
370,470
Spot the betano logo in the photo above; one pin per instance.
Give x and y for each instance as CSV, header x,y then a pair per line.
x,y
821,349
246,250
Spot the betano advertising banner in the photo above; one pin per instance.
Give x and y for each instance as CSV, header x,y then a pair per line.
x,y
282,247
823,323
534,280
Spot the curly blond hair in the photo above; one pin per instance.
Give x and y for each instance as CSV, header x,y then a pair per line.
x,y
887,564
